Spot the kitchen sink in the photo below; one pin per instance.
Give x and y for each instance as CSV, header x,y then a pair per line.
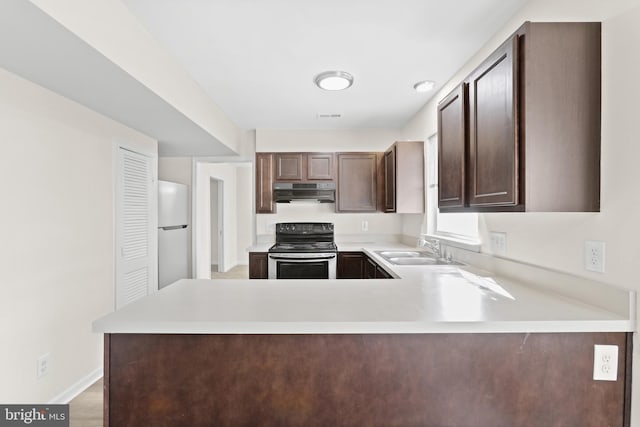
x,y
400,254
413,258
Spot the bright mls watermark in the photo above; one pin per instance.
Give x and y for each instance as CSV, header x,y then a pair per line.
x,y
34,415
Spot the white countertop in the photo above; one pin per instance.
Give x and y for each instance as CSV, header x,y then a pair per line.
x,y
435,299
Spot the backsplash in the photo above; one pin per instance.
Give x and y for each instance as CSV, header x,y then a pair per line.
x,y
348,227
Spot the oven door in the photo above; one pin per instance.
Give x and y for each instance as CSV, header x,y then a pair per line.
x,y
302,266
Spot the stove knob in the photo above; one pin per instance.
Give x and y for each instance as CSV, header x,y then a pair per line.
x,y
293,228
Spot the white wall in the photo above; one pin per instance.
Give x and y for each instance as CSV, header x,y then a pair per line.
x,y
348,226
213,212
110,28
57,251
236,240
175,169
325,140
556,240
244,211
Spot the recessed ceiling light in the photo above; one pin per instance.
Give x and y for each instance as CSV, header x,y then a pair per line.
x,y
424,86
334,80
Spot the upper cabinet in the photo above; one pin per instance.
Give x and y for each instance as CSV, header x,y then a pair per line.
x,y
320,166
390,179
289,166
304,167
358,182
522,132
493,138
264,183
452,146
404,177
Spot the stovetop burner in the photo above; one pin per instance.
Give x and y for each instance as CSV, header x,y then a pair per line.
x,y
304,237
304,247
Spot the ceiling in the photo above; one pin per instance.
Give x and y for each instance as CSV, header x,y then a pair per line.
x,y
40,49
257,59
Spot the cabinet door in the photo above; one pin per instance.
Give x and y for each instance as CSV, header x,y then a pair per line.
x,y
357,182
390,180
493,136
289,166
258,265
264,183
381,273
320,166
350,265
452,143
369,268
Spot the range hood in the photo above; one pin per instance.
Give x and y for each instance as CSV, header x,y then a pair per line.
x,y
287,192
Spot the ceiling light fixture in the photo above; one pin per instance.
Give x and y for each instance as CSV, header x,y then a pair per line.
x,y
424,86
334,80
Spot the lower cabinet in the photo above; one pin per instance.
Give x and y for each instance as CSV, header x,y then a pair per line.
x,y
357,265
381,273
258,265
350,265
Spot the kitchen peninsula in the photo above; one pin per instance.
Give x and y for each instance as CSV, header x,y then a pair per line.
x,y
440,346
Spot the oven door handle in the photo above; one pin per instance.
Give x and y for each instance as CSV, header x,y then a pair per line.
x,y
286,258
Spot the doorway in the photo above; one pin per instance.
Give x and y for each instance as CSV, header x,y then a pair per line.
x,y
234,207
216,189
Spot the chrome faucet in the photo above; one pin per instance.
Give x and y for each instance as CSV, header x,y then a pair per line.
x,y
431,244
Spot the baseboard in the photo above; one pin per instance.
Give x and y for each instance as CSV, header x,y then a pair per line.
x,y
78,387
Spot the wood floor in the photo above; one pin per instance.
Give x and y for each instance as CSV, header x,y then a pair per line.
x,y
237,272
86,409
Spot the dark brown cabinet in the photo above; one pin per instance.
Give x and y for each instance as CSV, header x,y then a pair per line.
x,y
390,180
452,146
404,177
357,265
493,140
289,166
532,130
304,167
320,166
358,182
381,273
258,265
264,183
369,268
350,265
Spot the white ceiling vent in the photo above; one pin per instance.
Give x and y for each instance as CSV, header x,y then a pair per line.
x,y
328,115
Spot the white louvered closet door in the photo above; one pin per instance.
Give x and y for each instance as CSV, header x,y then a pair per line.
x,y
134,263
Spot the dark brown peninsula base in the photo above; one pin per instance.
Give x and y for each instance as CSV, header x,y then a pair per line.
x,y
434,380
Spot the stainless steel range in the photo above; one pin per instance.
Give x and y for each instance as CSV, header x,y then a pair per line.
x,y
303,250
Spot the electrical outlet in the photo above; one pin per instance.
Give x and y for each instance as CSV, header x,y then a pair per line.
x,y
365,225
498,242
594,256
605,362
43,365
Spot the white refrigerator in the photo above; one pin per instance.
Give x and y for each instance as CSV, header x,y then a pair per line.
x,y
173,233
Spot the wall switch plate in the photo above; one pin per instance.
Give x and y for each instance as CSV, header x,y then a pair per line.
x,y
365,225
594,256
498,242
43,365
605,362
